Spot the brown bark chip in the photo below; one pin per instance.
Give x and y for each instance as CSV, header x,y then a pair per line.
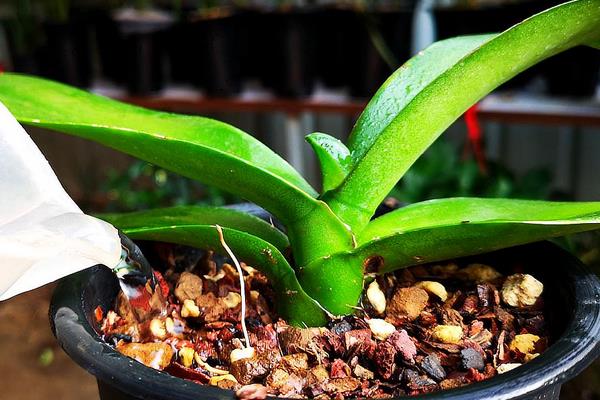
x,y
153,355
407,302
189,287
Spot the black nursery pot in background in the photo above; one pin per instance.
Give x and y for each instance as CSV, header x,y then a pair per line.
x,y
142,39
336,27
281,50
459,21
217,62
66,54
573,73
367,67
571,294
111,49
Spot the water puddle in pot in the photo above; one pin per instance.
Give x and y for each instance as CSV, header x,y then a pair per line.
x,y
138,282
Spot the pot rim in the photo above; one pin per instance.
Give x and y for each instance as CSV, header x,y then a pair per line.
x,y
574,350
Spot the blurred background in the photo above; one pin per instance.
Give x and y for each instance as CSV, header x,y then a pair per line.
x,y
281,69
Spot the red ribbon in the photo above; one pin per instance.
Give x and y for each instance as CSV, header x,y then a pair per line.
x,y
475,137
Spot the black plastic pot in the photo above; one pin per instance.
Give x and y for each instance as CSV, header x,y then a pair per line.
x,y
572,299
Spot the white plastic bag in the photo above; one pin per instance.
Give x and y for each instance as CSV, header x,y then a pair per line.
x,y
44,236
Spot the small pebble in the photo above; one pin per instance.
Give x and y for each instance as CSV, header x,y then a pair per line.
x,y
524,343
434,288
241,354
186,355
478,273
403,344
521,290
471,358
447,334
507,367
214,381
363,373
431,365
529,357
416,381
339,328
232,299
381,329
254,391
376,297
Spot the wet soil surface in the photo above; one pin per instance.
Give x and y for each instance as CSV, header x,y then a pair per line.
x,y
419,330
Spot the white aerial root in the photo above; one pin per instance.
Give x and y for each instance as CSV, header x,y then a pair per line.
x,y
242,283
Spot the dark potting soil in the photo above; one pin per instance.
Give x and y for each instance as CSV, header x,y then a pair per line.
x,y
418,330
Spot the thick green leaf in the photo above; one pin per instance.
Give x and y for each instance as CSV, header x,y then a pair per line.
x,y
446,228
433,89
200,148
333,156
200,215
292,302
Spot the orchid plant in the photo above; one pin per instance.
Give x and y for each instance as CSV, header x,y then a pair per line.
x,y
331,244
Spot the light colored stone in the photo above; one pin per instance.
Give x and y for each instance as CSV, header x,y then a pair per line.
x,y
190,309
376,297
153,355
447,334
157,328
520,290
363,373
381,329
186,356
232,299
503,368
434,288
214,381
240,354
524,343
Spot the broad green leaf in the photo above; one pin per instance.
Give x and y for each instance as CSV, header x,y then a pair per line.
x,y
200,148
434,88
200,215
333,156
446,228
292,302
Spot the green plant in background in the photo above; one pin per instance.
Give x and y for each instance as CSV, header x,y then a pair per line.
x,y
143,186
334,244
23,28
56,10
441,173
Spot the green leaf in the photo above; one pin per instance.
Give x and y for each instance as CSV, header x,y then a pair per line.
x,y
446,228
201,148
292,302
420,100
333,156
199,215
